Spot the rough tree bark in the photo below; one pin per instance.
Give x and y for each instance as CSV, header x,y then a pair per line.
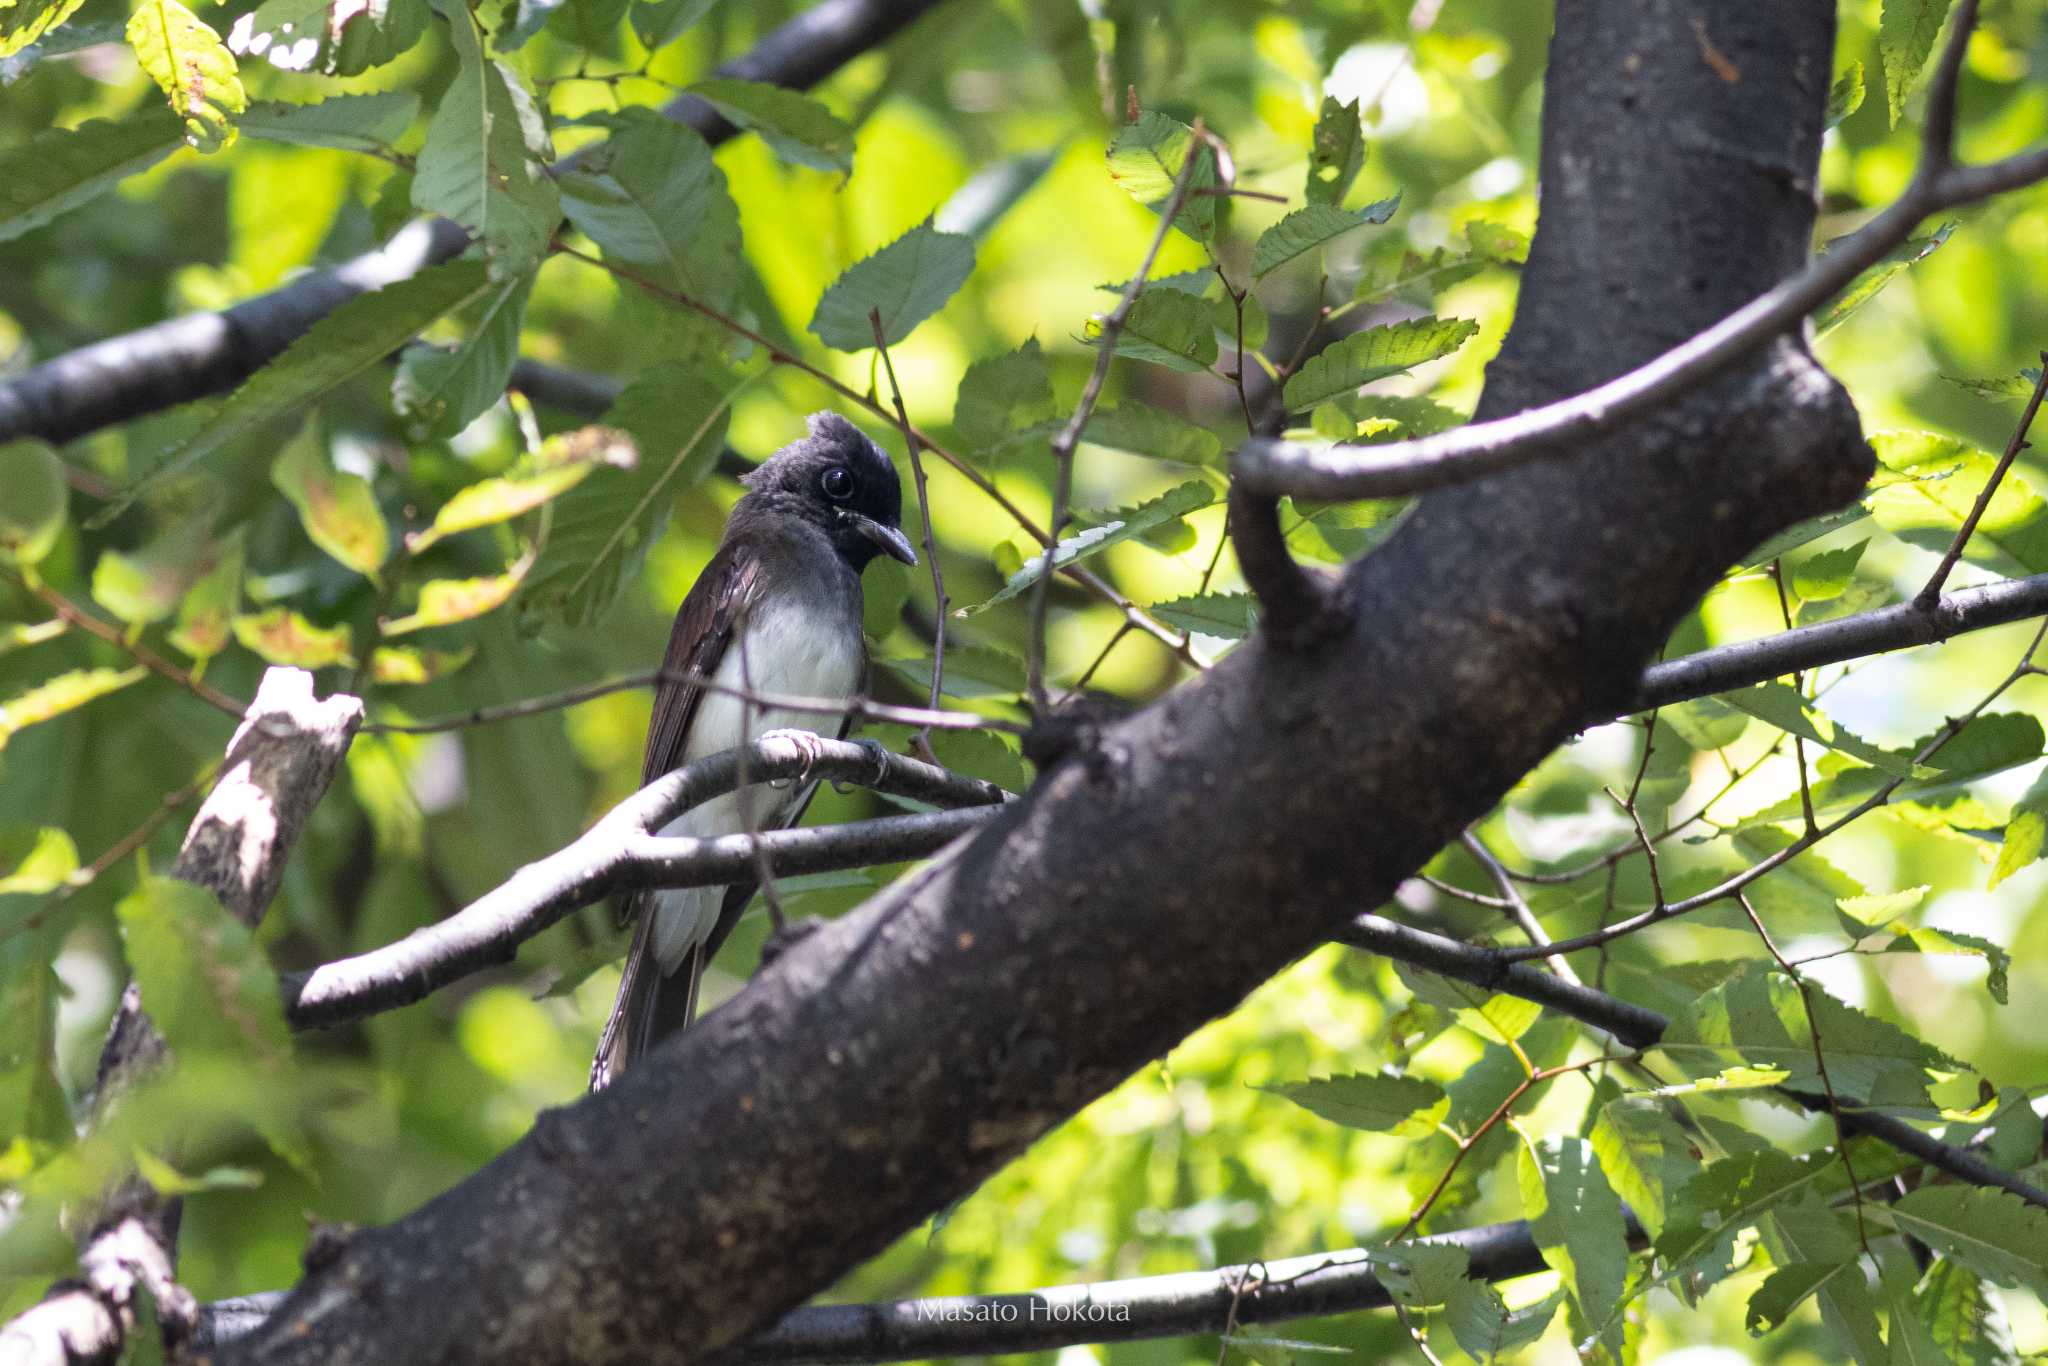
x,y
894,1059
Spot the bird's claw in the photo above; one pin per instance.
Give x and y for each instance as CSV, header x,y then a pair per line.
x,y
787,936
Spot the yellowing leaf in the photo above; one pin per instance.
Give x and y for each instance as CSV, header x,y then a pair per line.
x,y
205,616
339,511
35,859
32,501
282,636
188,60
403,664
446,601
147,584
61,694
564,461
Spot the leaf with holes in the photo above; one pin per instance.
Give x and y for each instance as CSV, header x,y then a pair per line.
x,y
1336,152
329,37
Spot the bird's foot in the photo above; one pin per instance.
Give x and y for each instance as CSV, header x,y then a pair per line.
x,y
787,936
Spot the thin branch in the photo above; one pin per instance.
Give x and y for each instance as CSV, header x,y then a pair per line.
x,y
1070,435
118,850
1930,592
1798,686
1274,468
149,659
940,601
618,851
1512,901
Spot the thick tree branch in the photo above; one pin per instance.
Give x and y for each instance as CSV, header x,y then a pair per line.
x,y
186,358
890,1061
1274,468
619,852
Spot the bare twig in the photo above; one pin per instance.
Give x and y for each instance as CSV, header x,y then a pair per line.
x,y
149,659
940,602
1513,902
1930,592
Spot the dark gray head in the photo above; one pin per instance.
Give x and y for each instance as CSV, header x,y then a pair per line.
x,y
839,481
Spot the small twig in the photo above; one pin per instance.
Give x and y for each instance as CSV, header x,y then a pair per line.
x,y
923,737
1798,686
134,649
1820,1064
1930,592
1087,674
118,850
1513,902
1643,842
1465,894
1070,435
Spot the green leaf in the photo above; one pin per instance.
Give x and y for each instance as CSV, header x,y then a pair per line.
x,y
282,636
1153,432
1905,38
1926,939
1809,1231
1228,616
653,200
207,987
1790,1286
370,123
1491,1015
2018,385
907,281
802,131
1845,96
146,586
1992,1232
35,859
1304,230
485,160
444,391
1002,398
1872,281
1146,158
1864,915
1966,1321
1175,502
192,66
1336,153
1167,327
1947,476
33,501
329,37
402,664
1486,1328
1575,1218
1782,706
339,511
1419,1275
351,339
1800,534
660,22
1496,243
52,698
33,1112
600,530
59,169
1374,353
1827,574
1645,1154
2026,834
443,602
1704,1215
206,613
1406,1106
22,24
490,501
972,671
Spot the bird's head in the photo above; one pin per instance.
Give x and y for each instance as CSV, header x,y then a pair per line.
x,y
842,482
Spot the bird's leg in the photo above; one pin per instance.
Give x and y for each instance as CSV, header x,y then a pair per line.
x,y
786,935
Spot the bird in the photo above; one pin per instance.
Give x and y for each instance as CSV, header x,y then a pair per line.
x,y
777,611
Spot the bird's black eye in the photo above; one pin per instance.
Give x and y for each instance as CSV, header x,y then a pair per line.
x,y
837,483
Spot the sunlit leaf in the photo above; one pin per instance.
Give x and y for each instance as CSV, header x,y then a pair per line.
x,y
1176,502
653,200
1374,353
802,131
1337,154
147,585
1781,706
1845,96
2026,834
1872,281
1966,1320
188,60
370,123
490,501
338,510
206,614
485,159
1501,245
1904,39
281,636
59,169
1408,1106
329,37
35,858
1146,158
33,499
1645,1154
907,281
399,664
443,602
1828,573
2012,537
1305,230
52,698
25,21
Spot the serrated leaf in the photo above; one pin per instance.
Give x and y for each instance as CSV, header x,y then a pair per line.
x,y
1863,915
1384,1103
1497,243
1927,510
1153,432
1809,1231
1704,1215
329,37
600,531
35,859
663,21
1336,152
1420,1274
341,345
1372,354
1306,229
1992,1232
33,500
402,664
1872,281
802,131
1788,1287
1485,1327
442,390
1146,158
1002,398
206,985
282,636
1780,705
1175,502
371,123
1800,534
653,200
906,281
53,697
192,66
1966,1321
1228,616
1845,96
1645,1154
1740,1077
490,501
206,613
146,585
2026,834
1576,1219
1167,327
443,602
59,169
972,672
484,163
1905,38
338,510
1827,574
1927,939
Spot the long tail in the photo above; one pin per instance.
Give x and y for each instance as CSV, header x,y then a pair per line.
x,y
651,1005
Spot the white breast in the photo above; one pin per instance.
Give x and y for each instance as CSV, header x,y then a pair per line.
x,y
780,649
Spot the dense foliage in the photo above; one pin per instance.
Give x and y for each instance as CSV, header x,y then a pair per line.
x,y
382,511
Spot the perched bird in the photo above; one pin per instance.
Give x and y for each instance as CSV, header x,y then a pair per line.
x,y
777,611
